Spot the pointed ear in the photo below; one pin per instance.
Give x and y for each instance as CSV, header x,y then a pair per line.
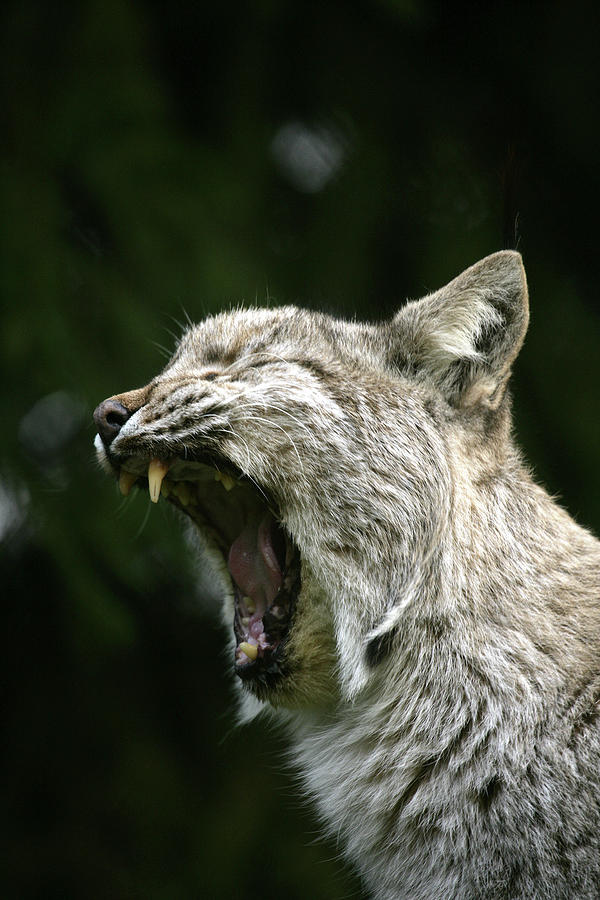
x,y
466,336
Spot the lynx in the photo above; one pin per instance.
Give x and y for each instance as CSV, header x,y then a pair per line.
x,y
423,616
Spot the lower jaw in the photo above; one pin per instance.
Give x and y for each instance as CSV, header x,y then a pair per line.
x,y
264,662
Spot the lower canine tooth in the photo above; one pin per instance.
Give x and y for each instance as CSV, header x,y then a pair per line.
x,y
249,649
126,481
157,469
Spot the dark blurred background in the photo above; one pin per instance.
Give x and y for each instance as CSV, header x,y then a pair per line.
x,y
166,159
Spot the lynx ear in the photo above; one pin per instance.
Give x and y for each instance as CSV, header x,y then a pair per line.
x,y
466,336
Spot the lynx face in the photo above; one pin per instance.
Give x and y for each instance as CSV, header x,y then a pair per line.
x,y
311,456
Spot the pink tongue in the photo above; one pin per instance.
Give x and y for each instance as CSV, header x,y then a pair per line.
x,y
253,563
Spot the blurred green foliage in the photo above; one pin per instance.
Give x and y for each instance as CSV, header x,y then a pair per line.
x,y
163,160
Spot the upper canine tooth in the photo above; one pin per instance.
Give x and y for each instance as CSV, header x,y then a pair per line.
x,y
126,481
157,469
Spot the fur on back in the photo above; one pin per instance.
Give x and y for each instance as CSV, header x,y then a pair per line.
x,y
440,679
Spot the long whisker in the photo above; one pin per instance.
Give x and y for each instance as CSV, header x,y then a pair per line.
x,y
270,405
238,437
254,418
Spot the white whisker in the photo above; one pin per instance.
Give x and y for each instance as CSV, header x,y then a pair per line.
x,y
254,418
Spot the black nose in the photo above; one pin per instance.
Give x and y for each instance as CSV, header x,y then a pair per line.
x,y
110,417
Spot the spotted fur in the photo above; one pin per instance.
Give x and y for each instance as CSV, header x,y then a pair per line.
x,y
443,667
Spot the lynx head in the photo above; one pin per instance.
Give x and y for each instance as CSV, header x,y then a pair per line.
x,y
314,458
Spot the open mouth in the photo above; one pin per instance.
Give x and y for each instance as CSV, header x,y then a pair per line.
x,y
239,522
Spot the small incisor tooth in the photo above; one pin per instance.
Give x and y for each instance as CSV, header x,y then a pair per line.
x,y
157,469
226,480
249,649
126,481
185,493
